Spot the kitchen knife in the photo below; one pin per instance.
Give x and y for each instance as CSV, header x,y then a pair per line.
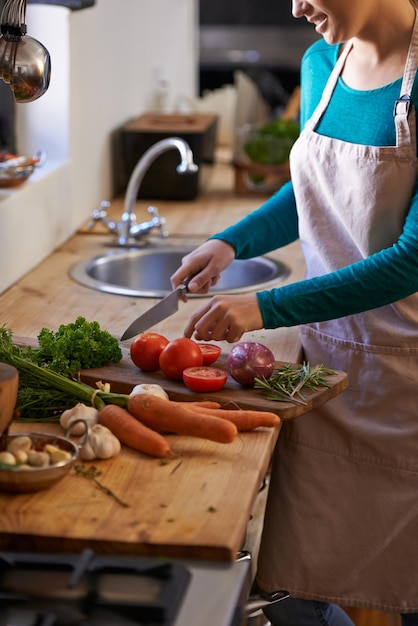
x,y
166,307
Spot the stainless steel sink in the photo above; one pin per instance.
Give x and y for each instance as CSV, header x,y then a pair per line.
x,y
146,272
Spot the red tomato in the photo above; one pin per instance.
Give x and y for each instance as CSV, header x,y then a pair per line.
x,y
210,352
203,378
179,354
146,349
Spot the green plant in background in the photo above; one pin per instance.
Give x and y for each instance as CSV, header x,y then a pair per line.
x,y
272,142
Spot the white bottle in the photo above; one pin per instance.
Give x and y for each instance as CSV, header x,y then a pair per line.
x,y
162,96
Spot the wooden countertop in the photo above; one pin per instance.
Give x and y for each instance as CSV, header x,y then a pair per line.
x,y
197,505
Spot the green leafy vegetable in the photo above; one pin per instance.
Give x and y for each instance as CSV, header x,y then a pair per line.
x,y
288,382
44,394
272,142
76,346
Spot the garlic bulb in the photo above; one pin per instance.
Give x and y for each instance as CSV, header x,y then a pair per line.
x,y
152,390
79,412
101,443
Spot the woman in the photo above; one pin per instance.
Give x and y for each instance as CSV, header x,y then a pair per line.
x,y
342,515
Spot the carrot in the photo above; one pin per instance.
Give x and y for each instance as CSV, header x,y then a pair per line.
x,y
206,404
168,416
244,419
132,433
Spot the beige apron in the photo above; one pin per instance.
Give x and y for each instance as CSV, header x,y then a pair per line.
x,y
342,514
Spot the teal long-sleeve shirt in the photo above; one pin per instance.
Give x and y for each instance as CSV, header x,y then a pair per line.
x,y
362,117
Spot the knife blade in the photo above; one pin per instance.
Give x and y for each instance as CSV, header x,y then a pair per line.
x,y
166,307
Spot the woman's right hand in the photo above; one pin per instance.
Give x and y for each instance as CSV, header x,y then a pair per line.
x,y
205,264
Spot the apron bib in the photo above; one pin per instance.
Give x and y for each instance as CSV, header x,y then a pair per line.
x,y
342,514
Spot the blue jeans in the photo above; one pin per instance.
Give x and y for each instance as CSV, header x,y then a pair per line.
x,y
294,612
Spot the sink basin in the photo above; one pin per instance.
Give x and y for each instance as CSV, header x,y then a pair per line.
x,y
146,272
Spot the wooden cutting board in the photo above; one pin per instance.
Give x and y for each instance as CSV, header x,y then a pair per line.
x,y
123,376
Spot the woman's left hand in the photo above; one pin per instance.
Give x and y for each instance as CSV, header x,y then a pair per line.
x,y
225,318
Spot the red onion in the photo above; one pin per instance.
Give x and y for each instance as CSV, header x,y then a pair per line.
x,y
249,360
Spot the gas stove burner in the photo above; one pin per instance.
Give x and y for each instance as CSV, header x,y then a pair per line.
x,y
88,590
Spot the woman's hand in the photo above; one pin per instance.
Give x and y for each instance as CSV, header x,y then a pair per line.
x,y
205,264
225,318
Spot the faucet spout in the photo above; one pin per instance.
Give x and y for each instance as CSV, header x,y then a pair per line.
x,y
186,166
128,229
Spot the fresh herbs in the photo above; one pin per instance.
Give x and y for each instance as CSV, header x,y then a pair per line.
x,y
288,382
92,473
76,346
44,394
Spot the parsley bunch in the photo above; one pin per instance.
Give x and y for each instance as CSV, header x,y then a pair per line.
x,y
75,346
43,392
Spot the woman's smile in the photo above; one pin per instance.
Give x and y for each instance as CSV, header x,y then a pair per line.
x,y
320,22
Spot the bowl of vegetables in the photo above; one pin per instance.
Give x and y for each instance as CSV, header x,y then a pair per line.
x,y
262,152
35,461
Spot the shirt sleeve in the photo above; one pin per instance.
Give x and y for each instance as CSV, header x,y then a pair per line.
x,y
378,280
272,226
381,279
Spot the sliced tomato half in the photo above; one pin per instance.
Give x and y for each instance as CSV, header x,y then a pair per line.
x,y
210,352
204,378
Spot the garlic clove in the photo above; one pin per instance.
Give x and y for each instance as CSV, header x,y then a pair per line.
x,y
19,443
57,455
8,458
21,457
38,459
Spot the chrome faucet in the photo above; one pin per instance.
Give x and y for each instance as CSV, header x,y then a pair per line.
x,y
128,230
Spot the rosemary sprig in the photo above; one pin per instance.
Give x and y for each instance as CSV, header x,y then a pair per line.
x,y
287,382
92,473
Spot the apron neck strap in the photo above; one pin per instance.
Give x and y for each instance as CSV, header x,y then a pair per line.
x,y
411,63
329,87
405,121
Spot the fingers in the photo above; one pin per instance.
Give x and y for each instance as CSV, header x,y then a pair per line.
x,y
225,318
203,282
205,265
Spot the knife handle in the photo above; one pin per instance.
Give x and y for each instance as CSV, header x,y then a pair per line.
x,y
184,285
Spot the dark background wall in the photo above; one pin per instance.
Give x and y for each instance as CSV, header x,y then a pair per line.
x,y
74,5
258,37
248,12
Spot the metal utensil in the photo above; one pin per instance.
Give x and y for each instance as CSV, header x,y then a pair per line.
x,y
25,63
166,307
31,71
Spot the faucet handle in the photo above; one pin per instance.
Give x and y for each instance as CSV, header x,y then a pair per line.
x,y
100,214
158,221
